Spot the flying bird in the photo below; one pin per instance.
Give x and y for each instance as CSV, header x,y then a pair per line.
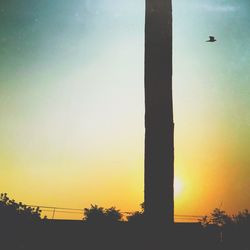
x,y
211,39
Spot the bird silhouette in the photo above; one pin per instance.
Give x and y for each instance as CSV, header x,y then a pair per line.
x,y
211,39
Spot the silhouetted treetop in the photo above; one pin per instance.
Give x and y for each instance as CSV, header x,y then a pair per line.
x,y
220,218
242,218
11,210
96,214
113,214
137,216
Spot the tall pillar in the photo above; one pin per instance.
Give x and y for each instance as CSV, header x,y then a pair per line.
x,y
159,127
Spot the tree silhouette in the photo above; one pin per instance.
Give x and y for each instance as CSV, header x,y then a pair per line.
x,y
217,217
242,218
113,215
204,221
233,230
96,214
137,216
220,218
11,210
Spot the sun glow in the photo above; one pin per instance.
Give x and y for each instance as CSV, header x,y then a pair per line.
x,y
178,187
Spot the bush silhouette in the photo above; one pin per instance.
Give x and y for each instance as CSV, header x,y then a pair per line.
x,y
96,214
113,214
242,218
220,218
13,211
138,216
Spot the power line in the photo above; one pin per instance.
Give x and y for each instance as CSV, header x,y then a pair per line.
x,y
80,211
63,208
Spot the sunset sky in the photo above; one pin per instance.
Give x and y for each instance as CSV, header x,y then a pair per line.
x,y
72,103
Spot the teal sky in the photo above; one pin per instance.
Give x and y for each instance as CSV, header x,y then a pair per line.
x,y
72,102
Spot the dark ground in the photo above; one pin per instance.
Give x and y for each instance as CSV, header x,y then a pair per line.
x,y
74,235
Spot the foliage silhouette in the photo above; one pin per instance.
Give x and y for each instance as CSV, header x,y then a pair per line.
x,y
220,218
11,210
234,230
242,218
96,214
112,214
104,228
137,216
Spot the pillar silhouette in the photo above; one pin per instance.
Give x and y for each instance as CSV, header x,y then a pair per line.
x,y
159,126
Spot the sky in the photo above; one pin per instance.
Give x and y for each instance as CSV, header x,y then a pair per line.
x,y
72,103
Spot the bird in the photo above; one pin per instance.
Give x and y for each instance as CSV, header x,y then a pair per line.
x,y
211,39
